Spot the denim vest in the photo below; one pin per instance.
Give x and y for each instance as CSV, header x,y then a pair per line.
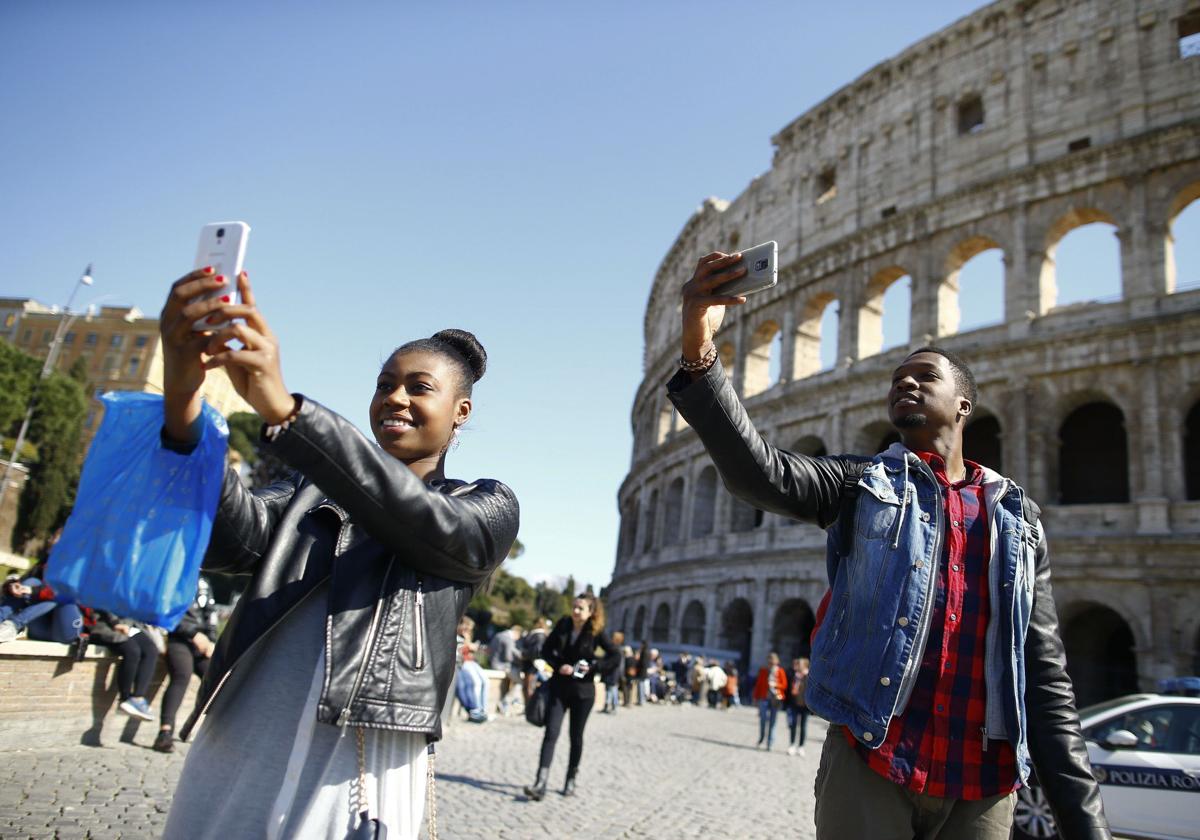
x,y
868,649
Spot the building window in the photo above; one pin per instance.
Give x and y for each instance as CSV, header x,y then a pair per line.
x,y
1189,35
140,341
109,364
134,362
970,115
46,336
90,341
116,340
28,337
69,338
826,184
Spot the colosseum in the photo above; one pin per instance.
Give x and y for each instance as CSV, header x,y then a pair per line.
x,y
998,135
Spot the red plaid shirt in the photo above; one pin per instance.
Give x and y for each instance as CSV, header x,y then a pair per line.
x,y
936,746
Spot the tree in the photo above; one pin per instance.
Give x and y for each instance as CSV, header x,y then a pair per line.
x,y
244,437
57,430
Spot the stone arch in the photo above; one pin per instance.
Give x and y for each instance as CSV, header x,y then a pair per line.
x,y
1066,224
810,445
639,624
660,628
1191,453
727,353
1101,653
673,512
1093,455
982,440
666,422
649,522
1183,211
875,437
871,311
757,365
737,628
966,266
792,629
704,502
743,516
629,528
691,628
811,338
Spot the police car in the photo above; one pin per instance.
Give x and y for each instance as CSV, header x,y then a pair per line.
x,y
1145,752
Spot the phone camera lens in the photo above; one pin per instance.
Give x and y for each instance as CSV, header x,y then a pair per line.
x,y
220,232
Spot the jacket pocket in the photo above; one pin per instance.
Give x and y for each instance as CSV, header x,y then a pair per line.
x,y
878,505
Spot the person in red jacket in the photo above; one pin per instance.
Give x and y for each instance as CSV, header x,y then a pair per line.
x,y
770,689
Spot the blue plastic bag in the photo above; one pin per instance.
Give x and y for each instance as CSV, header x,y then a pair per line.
x,y
143,515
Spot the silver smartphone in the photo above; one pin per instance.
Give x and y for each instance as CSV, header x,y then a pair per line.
x,y
762,271
223,246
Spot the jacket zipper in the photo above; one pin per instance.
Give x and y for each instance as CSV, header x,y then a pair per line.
x,y
344,716
419,625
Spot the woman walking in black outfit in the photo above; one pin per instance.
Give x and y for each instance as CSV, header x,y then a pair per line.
x,y
570,649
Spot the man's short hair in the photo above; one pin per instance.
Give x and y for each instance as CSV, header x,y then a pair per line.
x,y
964,380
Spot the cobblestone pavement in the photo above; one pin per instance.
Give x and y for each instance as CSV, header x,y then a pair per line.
x,y
663,772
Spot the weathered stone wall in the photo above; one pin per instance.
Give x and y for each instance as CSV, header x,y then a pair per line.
x,y
1089,113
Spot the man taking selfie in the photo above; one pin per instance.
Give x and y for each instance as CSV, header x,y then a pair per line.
x,y
937,658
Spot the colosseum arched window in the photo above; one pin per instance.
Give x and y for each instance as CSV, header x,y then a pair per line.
x,y
639,624
876,437
673,513
666,422
815,342
1093,461
1101,654
1191,452
742,515
975,276
650,522
791,629
704,503
1083,260
883,318
737,628
660,630
691,629
757,368
629,529
726,352
981,441
1183,241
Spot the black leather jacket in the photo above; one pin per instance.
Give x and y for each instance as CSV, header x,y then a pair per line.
x,y
402,559
810,489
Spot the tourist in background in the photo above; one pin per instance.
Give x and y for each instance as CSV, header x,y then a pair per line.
x,y
504,656
770,689
189,647
797,711
531,651
570,650
612,678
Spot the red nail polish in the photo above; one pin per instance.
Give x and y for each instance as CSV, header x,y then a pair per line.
x,y
220,278
208,269
225,298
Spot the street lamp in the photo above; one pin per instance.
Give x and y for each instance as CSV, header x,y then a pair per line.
x,y
47,368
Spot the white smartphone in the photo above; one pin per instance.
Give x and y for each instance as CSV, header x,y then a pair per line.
x,y
762,271
223,246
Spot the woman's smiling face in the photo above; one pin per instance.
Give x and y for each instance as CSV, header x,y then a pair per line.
x,y
418,403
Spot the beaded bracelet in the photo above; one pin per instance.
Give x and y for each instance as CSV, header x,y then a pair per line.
x,y
706,360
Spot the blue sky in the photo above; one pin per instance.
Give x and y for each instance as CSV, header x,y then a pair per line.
x,y
516,169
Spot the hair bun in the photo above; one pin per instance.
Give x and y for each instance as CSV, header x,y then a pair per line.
x,y
467,346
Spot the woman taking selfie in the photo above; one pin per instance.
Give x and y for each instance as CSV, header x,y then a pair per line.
x,y
570,649
325,687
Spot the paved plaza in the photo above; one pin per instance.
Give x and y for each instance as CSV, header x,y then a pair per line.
x,y
663,772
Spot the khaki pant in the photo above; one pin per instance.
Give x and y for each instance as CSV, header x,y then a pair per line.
x,y
856,803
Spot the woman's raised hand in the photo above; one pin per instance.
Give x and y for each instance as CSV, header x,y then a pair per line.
x,y
703,311
183,348
254,368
